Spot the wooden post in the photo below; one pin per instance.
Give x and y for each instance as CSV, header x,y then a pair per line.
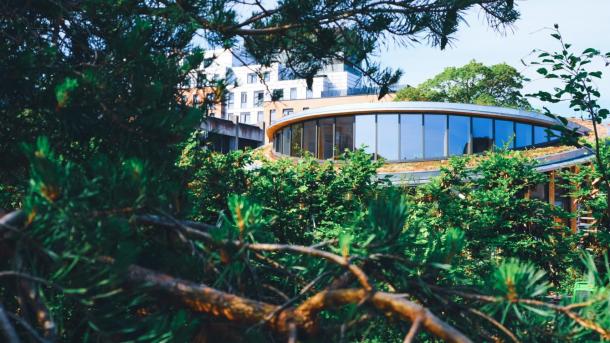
x,y
574,203
552,188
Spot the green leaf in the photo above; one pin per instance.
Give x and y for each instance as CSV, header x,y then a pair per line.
x,y
62,91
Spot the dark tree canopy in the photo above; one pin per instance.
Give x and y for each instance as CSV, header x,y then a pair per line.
x,y
473,83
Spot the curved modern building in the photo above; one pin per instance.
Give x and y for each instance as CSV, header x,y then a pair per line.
x,y
416,138
409,131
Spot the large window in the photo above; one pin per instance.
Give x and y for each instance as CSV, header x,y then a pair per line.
x,y
252,78
244,99
286,141
344,134
524,135
230,100
482,134
459,135
411,137
259,97
364,133
277,141
295,139
387,136
435,128
325,138
540,135
405,137
310,136
504,136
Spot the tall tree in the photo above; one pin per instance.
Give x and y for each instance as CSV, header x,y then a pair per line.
x,y
473,83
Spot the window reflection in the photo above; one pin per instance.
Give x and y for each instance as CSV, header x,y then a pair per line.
x,y
364,133
524,135
407,136
435,128
540,135
295,139
411,137
504,134
459,135
309,136
555,135
325,138
387,136
482,134
344,134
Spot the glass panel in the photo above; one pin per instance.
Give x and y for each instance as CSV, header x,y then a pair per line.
x,y
286,141
459,135
276,142
562,196
309,136
411,137
482,134
540,192
540,135
504,134
524,135
555,136
280,136
295,140
344,134
435,129
325,138
387,136
364,133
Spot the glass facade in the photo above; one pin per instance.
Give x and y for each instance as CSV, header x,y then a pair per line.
x,y
406,137
411,137
524,135
504,134
387,136
482,134
325,138
344,134
435,129
540,135
310,137
296,137
286,141
364,133
459,135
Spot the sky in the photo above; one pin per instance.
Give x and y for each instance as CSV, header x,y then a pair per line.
x,y
584,23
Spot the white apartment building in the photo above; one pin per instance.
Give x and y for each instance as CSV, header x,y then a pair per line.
x,y
255,84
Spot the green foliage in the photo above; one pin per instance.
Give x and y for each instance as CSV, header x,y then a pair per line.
x,y
473,83
99,80
577,86
488,203
306,197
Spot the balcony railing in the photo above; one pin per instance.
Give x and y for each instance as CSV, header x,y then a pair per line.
x,y
356,91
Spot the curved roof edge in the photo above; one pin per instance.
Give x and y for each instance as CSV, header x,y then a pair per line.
x,y
412,107
545,163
